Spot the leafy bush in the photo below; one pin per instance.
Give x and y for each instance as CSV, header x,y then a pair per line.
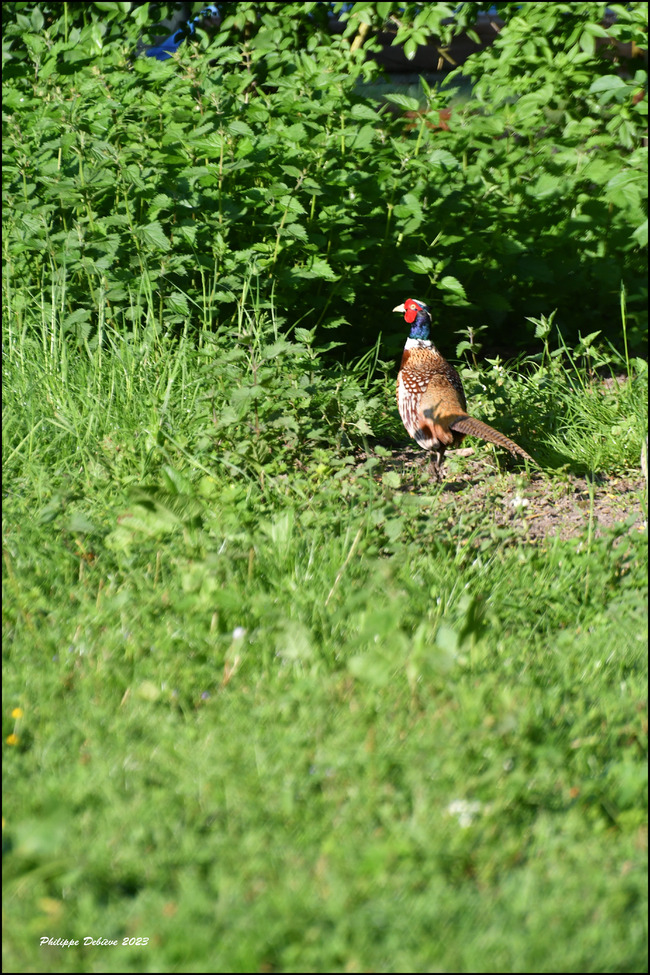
x,y
254,155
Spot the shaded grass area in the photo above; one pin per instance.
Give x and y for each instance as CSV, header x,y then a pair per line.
x,y
276,709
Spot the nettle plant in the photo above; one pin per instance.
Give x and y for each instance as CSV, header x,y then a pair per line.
x,y
135,187
178,183
556,136
270,397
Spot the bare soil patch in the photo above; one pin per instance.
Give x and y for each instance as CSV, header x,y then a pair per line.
x,y
538,507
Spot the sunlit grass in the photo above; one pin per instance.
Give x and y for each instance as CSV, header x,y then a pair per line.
x,y
271,711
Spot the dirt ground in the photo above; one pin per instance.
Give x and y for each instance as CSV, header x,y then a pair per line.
x,y
540,507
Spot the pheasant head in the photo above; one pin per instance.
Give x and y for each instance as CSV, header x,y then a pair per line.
x,y
418,316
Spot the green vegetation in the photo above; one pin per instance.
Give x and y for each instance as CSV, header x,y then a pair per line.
x,y
273,700
280,713
132,178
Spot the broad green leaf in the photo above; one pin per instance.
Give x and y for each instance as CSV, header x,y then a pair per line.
x,y
442,157
406,102
449,283
318,268
152,235
364,112
420,264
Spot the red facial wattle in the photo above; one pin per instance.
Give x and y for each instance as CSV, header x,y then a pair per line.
x,y
411,308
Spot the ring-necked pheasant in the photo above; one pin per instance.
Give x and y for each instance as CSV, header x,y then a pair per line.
x,y
430,394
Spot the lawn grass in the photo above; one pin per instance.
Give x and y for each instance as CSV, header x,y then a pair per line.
x,y
272,711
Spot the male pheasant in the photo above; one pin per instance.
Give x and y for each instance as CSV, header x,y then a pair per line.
x,y
430,394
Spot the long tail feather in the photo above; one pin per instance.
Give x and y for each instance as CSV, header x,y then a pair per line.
x,y
476,428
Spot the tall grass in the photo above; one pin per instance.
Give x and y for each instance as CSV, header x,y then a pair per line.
x,y
274,702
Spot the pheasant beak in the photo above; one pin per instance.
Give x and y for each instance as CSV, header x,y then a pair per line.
x,y
400,308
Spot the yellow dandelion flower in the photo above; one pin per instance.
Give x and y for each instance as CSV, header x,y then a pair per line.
x,y
12,739
17,713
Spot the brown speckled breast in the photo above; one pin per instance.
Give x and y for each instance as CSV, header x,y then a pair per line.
x,y
430,397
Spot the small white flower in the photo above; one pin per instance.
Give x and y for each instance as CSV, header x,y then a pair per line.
x,y
519,502
465,810
238,633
